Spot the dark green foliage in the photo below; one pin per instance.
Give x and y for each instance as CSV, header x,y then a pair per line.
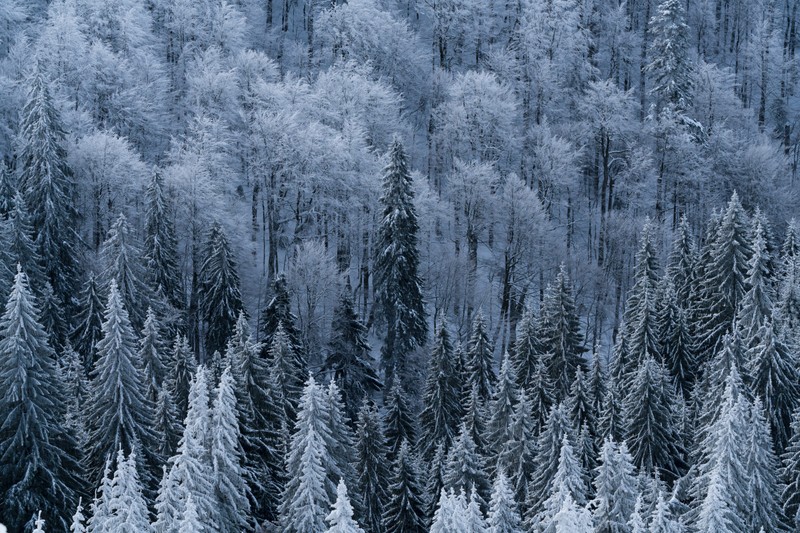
x,y
372,467
160,244
404,512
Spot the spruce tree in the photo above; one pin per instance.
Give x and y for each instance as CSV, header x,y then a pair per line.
x,y
399,422
474,520
371,467
676,343
127,507
398,287
663,520
190,521
40,469
278,312
639,317
122,263
220,299
8,189
52,317
45,182
288,369
569,481
681,261
78,524
561,338
501,407
160,243
450,513
441,413
480,359
475,419
341,444
184,365
611,422
615,489
548,453
755,308
89,322
671,69
527,353
348,360
151,354
503,514
233,506
465,470
790,473
519,449
22,248
340,518
167,426
119,413
652,433
763,486
404,512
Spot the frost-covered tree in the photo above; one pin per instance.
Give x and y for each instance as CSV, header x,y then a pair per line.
x,y
465,470
450,513
441,413
790,472
405,509
372,467
569,481
671,67
349,360
398,286
755,308
120,415
615,489
40,469
160,243
548,454
571,518
503,514
399,421
527,352
89,322
78,524
22,248
288,369
663,520
166,425
480,359
151,355
519,449
220,296
127,507
340,519
278,312
501,407
341,443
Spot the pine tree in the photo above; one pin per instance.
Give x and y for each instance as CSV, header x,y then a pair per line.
x,y
653,434
465,470
561,338
39,470
671,69
184,366
78,519
475,419
763,486
441,399
503,514
449,515
776,379
404,512
341,444
151,350
121,260
716,514
501,408
349,361
371,467
399,423
548,453
611,422
99,509
127,507
8,189
340,518
52,317
663,521
398,287
89,320
45,182
278,312
480,359
160,243
676,343
615,489
226,457
308,491
119,413
220,299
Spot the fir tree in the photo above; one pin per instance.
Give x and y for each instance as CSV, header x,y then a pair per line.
x,y
569,482
640,320
571,518
671,68
45,182
8,190
790,472
78,519
501,407
39,470
763,486
400,426
89,320
465,471
615,489
166,426
22,248
663,521
548,453
190,522
151,350
474,419
681,261
119,413
398,287
160,243
480,359
441,413
121,259
371,467
611,423
184,365
220,299
561,337
519,450
341,444
503,514
755,308
404,512
127,507
348,359
99,508
676,343
527,353
652,426
52,317
340,518
278,312
474,520
449,515
288,369
716,514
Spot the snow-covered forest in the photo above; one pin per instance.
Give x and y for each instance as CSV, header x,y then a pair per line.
x,y
400,266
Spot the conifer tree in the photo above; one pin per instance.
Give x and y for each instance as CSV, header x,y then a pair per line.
x,y
449,515
561,337
220,299
776,379
501,407
474,419
288,369
45,182
579,404
503,514
166,426
190,521
340,518
38,523
755,308
120,415
398,287
78,524
99,508
671,68
652,432
308,491
434,484
611,423
676,343
341,444
89,320
278,312
663,520
22,249
717,511
790,473
474,520
480,359
519,450
121,260
160,243
40,469
127,508
348,360
399,423
8,189
184,366
763,486
527,353
52,317
681,261
404,512
441,413
569,481
615,489
371,467
548,453
465,470
640,320
226,458
571,518
151,350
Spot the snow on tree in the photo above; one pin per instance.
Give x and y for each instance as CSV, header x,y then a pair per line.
x,y
120,415
571,518
89,320
480,358
45,182
717,512
231,490
569,482
40,469
681,262
527,353
38,523
790,472
640,318
465,470
372,467
663,521
99,508
349,359
519,450
615,489
441,399
400,425
127,508
675,339
151,354
549,447
52,317
450,513
398,286
183,368
190,521
671,68
763,485
220,296
288,369
278,312
755,309
160,243
78,524
501,407
340,518
503,514
22,249
166,425
405,510
474,522
341,444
